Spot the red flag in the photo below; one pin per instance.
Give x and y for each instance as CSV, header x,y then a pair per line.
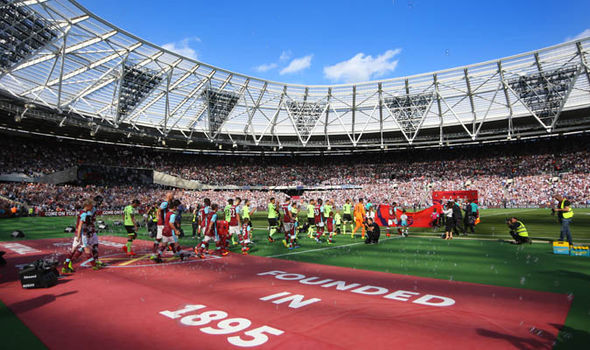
x,y
423,218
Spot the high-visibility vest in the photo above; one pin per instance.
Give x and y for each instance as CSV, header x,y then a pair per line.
x,y
566,214
521,230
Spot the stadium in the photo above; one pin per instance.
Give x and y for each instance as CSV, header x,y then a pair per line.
x,y
428,210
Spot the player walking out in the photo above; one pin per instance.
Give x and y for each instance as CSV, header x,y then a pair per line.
x,y
295,218
92,235
246,212
346,216
130,225
210,228
233,218
310,218
288,224
319,223
273,223
161,214
359,218
77,246
169,233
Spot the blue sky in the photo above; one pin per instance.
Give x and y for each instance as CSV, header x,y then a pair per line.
x,y
325,42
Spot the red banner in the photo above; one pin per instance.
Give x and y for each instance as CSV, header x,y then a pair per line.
x,y
422,218
438,197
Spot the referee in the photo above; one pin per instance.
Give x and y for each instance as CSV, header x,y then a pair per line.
x,y
565,213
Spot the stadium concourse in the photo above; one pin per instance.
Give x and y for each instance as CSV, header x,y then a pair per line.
x,y
516,174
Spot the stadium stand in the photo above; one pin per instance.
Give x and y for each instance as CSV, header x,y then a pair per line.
x,y
515,174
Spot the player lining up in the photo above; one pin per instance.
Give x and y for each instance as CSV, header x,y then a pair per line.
x,y
210,228
319,223
273,223
232,216
169,236
130,225
161,214
359,218
288,224
85,239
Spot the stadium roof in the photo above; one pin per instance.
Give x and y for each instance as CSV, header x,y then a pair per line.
x,y
59,58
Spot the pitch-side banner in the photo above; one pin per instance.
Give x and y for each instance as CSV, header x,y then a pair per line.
x,y
385,216
439,197
74,213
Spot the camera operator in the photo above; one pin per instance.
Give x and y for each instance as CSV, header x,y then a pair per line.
x,y
372,231
518,231
564,214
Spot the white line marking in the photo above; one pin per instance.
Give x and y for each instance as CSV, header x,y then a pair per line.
x,y
326,248
188,261
508,211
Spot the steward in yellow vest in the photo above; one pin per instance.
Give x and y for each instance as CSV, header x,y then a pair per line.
x,y
518,231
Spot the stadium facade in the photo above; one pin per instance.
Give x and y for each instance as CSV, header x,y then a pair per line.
x,y
66,72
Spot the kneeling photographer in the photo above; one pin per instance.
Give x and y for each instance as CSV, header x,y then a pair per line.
x,y
373,231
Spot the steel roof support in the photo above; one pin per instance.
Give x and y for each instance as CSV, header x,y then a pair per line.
x,y
164,93
100,84
440,115
31,62
353,110
471,104
61,68
252,111
508,103
583,60
327,118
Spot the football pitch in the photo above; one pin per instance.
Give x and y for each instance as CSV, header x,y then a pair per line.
x,y
484,258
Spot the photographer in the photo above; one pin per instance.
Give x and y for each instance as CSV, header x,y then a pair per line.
x,y
518,231
373,232
565,214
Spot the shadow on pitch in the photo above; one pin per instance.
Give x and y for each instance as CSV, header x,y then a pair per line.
x,y
539,340
571,338
37,302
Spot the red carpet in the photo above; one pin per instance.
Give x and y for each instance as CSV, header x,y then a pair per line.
x,y
121,306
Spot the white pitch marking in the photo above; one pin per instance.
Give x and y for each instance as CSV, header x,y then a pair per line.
x,y
326,248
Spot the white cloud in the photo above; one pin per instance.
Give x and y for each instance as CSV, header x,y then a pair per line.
x,y
584,34
297,65
362,67
183,48
286,55
266,67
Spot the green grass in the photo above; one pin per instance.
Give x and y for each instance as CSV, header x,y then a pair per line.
x,y
484,259
16,334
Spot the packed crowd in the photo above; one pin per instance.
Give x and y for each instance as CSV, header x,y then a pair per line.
x,y
34,156
522,174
